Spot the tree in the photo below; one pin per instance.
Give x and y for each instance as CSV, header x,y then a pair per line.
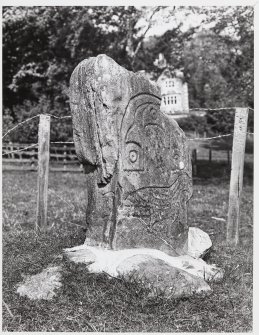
x,y
235,25
206,60
42,46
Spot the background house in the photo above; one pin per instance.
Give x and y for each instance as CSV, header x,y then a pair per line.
x,y
174,92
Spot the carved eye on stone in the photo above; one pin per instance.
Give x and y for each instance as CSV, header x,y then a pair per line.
x,y
133,156
153,113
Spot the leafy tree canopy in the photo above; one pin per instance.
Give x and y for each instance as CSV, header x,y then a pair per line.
x,y
42,46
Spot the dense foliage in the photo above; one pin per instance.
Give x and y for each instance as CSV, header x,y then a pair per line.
x,y
42,46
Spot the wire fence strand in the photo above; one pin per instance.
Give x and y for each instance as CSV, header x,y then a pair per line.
x,y
210,109
61,142
216,109
33,117
18,150
71,142
19,124
60,117
69,116
207,138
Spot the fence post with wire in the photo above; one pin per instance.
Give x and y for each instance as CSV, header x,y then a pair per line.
x,y
236,179
43,171
44,154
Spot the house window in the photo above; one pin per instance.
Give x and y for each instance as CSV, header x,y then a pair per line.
x,y
169,83
170,100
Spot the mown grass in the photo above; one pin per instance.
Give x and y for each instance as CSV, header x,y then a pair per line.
x,y
89,302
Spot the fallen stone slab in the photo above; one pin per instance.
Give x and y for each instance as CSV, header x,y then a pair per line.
x,y
100,259
160,277
43,285
176,276
173,276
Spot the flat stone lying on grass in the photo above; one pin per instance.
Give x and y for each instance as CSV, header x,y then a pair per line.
x,y
100,259
43,285
176,276
159,276
173,276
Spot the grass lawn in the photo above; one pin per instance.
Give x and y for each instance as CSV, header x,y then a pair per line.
x,y
89,302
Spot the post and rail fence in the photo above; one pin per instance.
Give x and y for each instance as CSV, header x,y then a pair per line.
x,y
21,156
63,158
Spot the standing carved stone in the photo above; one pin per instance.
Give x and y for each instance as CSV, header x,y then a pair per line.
x,y
135,158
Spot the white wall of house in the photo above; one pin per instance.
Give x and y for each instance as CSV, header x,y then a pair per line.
x,y
185,97
174,94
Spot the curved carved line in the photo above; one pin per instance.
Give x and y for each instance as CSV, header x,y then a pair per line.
x,y
154,186
136,112
135,96
134,143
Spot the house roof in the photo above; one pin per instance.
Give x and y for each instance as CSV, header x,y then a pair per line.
x,y
171,74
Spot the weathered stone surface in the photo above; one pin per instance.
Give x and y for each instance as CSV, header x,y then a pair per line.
x,y
115,262
173,276
43,285
136,159
198,242
159,276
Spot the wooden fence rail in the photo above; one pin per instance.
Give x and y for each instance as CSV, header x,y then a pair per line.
x,y
62,157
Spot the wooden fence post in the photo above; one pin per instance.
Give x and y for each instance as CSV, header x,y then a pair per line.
x,y
236,179
11,149
228,157
32,159
210,154
65,157
194,162
43,170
